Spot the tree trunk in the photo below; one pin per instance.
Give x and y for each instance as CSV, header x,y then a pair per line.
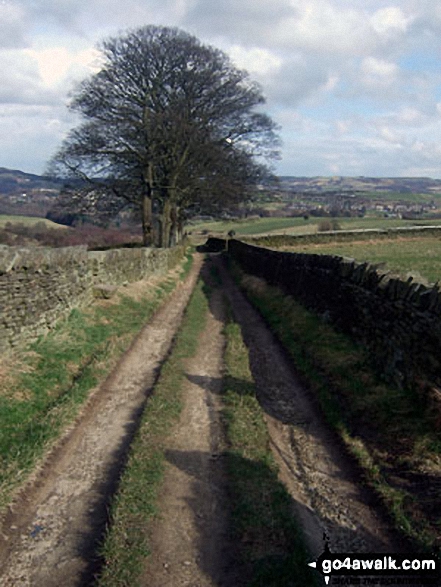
x,y
150,225
147,218
157,232
174,232
166,224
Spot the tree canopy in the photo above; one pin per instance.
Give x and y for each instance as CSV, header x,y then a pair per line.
x,y
169,127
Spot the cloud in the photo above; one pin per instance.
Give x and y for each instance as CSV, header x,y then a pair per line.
x,y
246,21
256,60
390,21
30,134
300,80
21,83
349,82
320,26
392,137
379,74
12,26
59,65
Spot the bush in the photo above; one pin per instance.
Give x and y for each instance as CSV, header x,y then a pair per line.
x,y
329,224
89,235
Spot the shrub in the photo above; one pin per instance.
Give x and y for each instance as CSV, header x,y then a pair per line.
x,y
328,224
40,234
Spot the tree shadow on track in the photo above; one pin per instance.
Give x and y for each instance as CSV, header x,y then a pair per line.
x,y
298,422
265,555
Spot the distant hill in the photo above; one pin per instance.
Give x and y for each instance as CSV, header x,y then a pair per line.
x,y
415,185
26,194
13,181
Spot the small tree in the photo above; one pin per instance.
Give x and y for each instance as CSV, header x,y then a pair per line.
x,y
170,128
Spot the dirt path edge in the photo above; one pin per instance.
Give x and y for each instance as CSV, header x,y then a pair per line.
x,y
17,522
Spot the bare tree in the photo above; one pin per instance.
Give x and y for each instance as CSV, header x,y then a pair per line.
x,y
169,127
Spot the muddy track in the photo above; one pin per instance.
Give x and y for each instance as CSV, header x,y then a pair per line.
x,y
48,538
50,534
190,537
328,498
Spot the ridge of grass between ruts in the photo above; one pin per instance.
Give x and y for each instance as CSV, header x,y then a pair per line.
x,y
270,545
126,544
369,416
57,373
269,539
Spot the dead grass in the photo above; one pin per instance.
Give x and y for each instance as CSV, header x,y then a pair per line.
x,y
12,367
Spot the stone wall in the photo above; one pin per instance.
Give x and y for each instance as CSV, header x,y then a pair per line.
x,y
38,286
398,322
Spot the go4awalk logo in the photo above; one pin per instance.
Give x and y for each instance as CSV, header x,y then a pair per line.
x,y
378,569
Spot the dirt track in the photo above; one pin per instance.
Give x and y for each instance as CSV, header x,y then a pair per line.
x,y
190,538
53,530
325,488
48,537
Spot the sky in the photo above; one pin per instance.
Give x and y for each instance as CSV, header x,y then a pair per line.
x,y
355,85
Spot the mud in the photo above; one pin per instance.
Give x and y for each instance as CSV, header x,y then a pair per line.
x,y
328,499
190,542
49,536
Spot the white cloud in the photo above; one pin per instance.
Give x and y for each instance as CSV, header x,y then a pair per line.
x,y
12,26
410,116
58,64
255,60
391,136
246,22
30,134
350,82
21,83
320,26
343,127
390,21
378,72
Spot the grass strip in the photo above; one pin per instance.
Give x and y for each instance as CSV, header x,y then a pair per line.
x,y
269,540
387,429
56,374
127,542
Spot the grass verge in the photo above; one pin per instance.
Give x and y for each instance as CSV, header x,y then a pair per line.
x,y
268,538
42,390
127,542
389,431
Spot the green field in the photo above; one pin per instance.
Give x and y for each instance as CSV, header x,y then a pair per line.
x,y
27,221
250,226
409,197
257,226
418,257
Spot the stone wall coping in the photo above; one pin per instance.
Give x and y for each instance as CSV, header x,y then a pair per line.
x,y
35,258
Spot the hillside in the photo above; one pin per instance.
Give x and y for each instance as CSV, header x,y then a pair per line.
x,y
399,185
26,194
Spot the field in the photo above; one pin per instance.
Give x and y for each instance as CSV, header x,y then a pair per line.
x,y
255,226
417,257
27,221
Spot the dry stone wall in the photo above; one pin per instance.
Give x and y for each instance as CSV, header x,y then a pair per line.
x,y
41,285
399,322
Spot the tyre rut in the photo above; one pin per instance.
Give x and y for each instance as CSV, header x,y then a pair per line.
x,y
189,543
49,536
190,538
328,498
